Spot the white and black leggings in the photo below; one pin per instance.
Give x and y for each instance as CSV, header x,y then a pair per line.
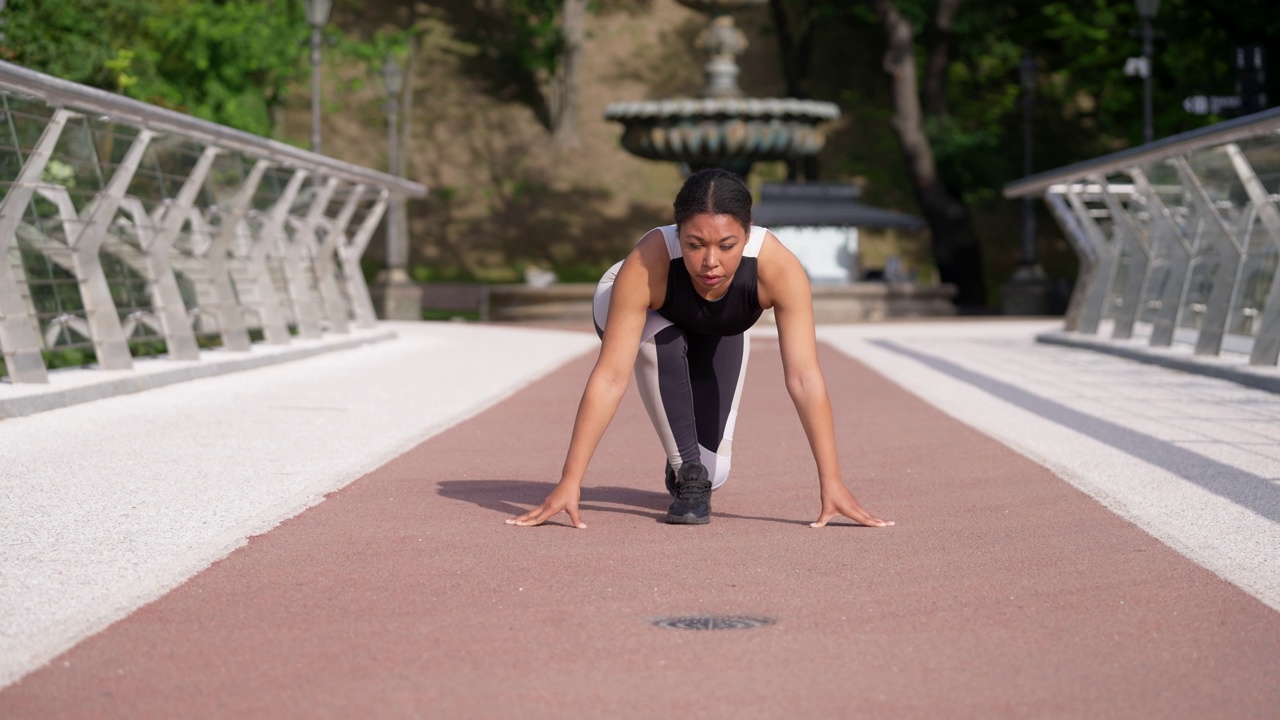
x,y
690,383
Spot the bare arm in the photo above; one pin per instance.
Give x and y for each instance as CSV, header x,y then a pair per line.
x,y
785,286
606,384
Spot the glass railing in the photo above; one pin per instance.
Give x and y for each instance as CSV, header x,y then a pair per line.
x,y
1178,239
128,229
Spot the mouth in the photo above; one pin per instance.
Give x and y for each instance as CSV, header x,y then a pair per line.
x,y
711,279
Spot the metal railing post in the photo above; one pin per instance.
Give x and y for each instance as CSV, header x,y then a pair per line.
x,y
1213,326
1124,228
1104,273
19,333
1266,344
349,255
1167,236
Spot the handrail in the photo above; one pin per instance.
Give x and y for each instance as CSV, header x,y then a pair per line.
x,y
57,91
1234,130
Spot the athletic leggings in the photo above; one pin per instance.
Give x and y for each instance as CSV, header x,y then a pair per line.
x,y
690,384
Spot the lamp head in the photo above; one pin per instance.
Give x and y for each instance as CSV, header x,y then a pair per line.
x,y
317,11
1147,9
1027,72
393,75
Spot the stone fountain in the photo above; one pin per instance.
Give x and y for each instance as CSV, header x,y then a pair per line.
x,y
726,130
722,128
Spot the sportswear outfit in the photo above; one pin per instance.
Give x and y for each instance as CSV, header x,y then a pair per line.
x,y
693,361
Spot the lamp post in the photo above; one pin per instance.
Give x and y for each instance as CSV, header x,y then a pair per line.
x,y
317,16
394,292
1027,79
397,247
1026,292
1147,10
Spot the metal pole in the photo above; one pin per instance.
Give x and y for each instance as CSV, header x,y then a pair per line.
x,y
1148,132
397,248
1028,210
315,88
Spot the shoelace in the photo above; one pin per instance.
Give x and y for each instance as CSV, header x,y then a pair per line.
x,y
692,489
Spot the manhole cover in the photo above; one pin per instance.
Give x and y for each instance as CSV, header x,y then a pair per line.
x,y
713,622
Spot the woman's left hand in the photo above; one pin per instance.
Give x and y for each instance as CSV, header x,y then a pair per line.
x,y
837,500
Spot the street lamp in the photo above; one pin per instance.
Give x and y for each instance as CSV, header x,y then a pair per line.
x,y
317,15
393,79
1027,79
1147,10
1026,292
398,297
397,219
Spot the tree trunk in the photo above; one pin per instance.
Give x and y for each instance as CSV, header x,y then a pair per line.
x,y
955,246
564,94
938,40
795,44
795,48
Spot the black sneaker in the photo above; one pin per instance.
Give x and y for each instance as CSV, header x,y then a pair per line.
x,y
670,480
692,505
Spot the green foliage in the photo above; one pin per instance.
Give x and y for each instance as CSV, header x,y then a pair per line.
x,y
427,35
535,26
228,61
1084,104
963,153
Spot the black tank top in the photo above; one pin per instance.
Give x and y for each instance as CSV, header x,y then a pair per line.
x,y
732,313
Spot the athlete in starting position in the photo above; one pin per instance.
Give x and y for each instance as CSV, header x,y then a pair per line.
x,y
678,308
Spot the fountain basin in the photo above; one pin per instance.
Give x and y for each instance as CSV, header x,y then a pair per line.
x,y
731,133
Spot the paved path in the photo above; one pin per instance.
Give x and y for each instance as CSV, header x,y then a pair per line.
x,y
1002,592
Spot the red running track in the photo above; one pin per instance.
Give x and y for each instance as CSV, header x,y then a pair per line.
x,y
1001,592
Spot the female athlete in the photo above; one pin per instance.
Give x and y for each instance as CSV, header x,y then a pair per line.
x,y
677,308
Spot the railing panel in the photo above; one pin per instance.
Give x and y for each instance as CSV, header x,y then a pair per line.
x,y
1185,234
128,229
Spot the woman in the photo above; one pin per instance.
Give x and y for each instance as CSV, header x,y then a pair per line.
x,y
678,308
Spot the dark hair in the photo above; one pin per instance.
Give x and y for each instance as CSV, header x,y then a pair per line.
x,y
715,191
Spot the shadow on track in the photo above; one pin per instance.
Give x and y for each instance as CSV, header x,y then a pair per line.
x,y
516,497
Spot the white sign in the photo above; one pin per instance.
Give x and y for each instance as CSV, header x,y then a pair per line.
x,y
1211,104
1139,66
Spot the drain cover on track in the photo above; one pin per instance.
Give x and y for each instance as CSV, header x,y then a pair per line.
x,y
713,622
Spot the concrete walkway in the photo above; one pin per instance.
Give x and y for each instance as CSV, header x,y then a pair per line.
x,y
1078,536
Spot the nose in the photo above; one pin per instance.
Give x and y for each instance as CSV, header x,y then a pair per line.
x,y
710,259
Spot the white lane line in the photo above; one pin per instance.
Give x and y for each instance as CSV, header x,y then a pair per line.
x,y
1210,500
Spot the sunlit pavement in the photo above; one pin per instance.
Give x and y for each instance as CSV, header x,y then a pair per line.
x,y
1078,535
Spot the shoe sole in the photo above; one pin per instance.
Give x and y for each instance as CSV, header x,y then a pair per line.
x,y
688,519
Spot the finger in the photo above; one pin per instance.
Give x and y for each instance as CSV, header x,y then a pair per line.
x,y
824,518
574,518
534,517
868,520
521,518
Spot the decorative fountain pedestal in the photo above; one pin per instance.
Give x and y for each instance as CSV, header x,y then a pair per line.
x,y
722,128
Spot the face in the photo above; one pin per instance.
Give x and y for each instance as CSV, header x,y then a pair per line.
x,y
712,245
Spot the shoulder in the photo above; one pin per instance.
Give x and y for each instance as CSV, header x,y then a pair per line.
x,y
644,271
782,279
653,249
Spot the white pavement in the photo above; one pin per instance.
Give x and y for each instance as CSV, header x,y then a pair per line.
x,y
1192,460
107,505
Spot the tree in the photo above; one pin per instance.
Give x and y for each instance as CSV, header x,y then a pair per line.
x,y
955,245
563,90
229,61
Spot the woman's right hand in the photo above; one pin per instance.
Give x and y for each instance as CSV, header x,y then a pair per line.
x,y
563,499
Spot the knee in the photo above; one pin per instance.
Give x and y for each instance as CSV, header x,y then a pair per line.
x,y
717,467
